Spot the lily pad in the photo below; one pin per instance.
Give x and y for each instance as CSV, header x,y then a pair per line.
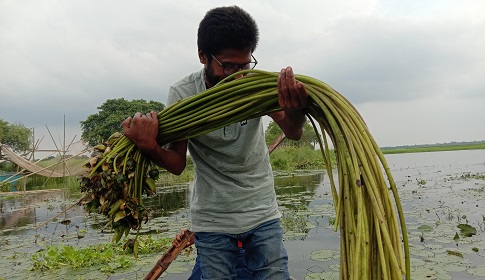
x,y
477,271
425,228
467,230
330,275
322,255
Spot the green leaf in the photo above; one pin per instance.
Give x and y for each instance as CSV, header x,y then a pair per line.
x,y
425,228
322,255
120,215
467,230
117,235
457,237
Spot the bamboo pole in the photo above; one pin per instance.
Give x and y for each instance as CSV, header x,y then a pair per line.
x,y
164,262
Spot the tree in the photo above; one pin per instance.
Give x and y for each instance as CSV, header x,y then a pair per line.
x,y
100,126
272,132
309,137
15,136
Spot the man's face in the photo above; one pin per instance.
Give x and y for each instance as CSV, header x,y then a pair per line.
x,y
214,72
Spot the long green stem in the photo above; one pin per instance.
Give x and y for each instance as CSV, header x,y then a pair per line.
x,y
365,214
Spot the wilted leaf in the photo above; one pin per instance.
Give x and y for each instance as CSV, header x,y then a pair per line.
x,y
454,253
93,161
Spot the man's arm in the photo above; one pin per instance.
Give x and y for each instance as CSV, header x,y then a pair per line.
x,y
293,99
143,131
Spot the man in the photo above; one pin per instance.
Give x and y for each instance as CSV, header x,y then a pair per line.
x,y
233,197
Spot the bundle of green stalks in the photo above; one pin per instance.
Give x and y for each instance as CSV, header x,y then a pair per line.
x,y
373,235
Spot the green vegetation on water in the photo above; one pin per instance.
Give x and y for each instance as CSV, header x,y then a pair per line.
x,y
108,257
453,146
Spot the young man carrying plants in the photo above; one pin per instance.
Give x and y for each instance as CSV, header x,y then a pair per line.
x,y
233,197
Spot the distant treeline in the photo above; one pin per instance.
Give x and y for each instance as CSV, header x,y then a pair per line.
x,y
451,146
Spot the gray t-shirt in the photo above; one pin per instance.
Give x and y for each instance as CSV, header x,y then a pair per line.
x,y
234,188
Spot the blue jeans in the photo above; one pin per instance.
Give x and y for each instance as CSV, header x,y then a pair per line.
x,y
242,271
266,257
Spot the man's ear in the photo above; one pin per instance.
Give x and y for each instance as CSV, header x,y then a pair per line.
x,y
202,57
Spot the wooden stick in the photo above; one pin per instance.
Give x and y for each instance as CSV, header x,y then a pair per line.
x,y
164,262
276,142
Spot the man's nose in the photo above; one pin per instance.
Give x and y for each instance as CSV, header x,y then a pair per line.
x,y
238,76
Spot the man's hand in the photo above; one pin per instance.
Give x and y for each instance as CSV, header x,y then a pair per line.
x,y
142,130
292,95
293,99
177,241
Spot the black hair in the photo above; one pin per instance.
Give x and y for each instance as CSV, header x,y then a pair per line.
x,y
227,28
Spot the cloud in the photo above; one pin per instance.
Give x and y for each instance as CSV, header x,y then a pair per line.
x,y
65,58
378,58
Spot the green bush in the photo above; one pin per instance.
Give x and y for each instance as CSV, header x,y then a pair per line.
x,y
292,158
5,187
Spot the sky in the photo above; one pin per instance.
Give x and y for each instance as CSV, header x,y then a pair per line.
x,y
413,69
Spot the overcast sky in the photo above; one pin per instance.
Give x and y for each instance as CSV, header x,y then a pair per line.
x,y
414,69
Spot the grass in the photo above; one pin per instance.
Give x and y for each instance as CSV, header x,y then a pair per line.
x,y
433,148
286,158
168,179
69,184
292,158
71,165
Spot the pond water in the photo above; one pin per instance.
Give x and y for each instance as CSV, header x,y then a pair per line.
x,y
438,191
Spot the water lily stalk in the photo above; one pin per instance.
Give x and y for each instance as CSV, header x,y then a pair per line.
x,y
372,226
